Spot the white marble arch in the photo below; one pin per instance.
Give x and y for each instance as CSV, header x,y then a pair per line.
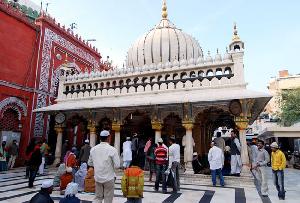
x,y
155,87
140,88
215,81
188,84
179,85
80,95
117,91
163,86
86,94
98,93
131,89
110,92
171,86
148,88
205,83
196,83
124,90
104,92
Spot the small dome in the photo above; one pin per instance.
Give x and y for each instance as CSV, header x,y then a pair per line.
x,y
208,58
218,57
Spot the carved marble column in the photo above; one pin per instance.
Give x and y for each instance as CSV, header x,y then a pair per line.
x,y
157,126
116,126
242,124
93,131
59,130
188,149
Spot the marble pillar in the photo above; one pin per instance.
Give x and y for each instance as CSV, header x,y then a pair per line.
x,y
93,132
188,148
117,128
157,126
242,124
58,147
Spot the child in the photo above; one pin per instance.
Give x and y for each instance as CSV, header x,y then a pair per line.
x,y
133,183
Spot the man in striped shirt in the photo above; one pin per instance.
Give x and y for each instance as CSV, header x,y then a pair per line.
x,y
161,160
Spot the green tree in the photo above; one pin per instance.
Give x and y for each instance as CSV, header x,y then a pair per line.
x,y
290,107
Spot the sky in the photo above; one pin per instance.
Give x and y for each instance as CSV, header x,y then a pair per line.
x,y
269,28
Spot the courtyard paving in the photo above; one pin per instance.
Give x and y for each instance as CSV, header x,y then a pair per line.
x,y
13,189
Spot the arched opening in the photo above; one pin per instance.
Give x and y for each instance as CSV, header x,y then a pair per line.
x,y
206,124
237,47
209,73
137,122
227,71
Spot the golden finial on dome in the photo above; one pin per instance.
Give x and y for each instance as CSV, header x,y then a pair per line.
x,y
235,36
164,13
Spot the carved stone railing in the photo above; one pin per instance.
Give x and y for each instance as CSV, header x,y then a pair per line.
x,y
138,80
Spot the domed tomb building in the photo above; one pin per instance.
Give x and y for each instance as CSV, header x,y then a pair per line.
x,y
169,87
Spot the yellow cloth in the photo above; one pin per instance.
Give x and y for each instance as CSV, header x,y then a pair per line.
x,y
133,182
278,160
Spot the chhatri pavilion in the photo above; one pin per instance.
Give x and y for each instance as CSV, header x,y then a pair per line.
x,y
169,87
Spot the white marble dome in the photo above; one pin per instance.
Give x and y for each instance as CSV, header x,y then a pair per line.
x,y
164,43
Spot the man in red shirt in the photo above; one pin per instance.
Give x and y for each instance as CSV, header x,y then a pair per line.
x,y
161,160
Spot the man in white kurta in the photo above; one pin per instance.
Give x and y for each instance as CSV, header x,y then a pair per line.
x,y
216,163
105,159
127,153
235,150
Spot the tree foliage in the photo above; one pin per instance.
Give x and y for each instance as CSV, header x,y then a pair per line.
x,y
290,107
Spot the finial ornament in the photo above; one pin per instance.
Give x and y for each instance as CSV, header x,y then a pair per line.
x,y
235,36
164,13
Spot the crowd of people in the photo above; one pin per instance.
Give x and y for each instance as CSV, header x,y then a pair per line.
x,y
93,169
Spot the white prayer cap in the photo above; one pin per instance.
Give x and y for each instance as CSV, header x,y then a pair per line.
x,y
160,140
47,184
104,133
86,141
274,145
195,154
127,138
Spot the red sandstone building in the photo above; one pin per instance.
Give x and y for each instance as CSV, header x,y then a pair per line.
x,y
33,50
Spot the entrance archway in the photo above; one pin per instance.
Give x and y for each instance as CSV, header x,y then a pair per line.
x,y
205,125
137,122
172,125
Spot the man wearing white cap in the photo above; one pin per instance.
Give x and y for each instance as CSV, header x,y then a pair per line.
x,y
127,153
278,161
85,152
43,196
105,159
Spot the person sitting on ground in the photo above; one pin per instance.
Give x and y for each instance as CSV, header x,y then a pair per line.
x,y
133,183
60,171
80,176
197,166
65,179
89,182
70,194
43,196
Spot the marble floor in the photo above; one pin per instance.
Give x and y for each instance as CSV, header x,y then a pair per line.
x,y
13,189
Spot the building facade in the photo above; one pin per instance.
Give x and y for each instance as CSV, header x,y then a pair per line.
x,y
169,87
34,48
